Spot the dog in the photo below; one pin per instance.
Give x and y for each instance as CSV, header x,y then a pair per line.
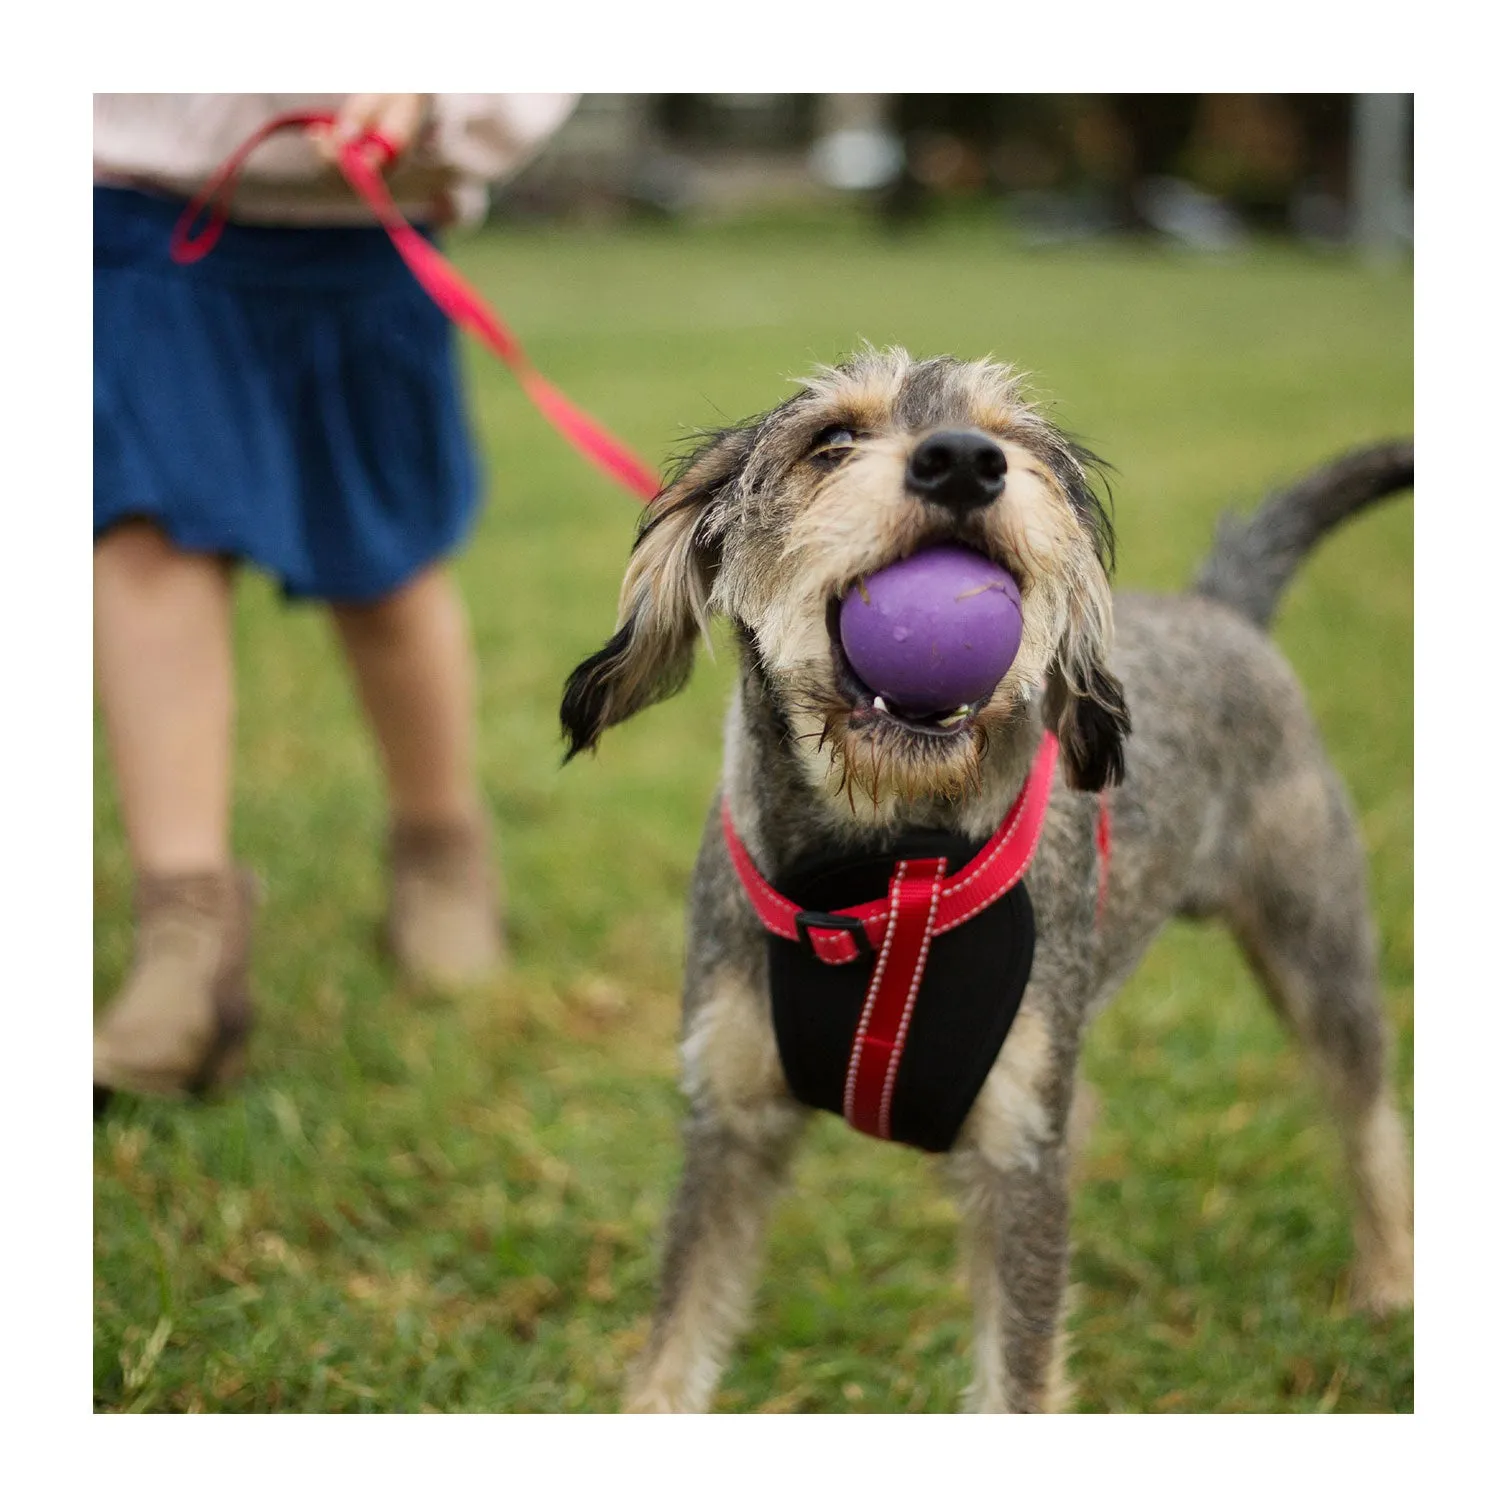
x,y
1191,782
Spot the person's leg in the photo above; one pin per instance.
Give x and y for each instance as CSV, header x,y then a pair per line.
x,y
413,662
162,655
164,664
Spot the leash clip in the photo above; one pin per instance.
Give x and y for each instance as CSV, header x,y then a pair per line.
x,y
827,921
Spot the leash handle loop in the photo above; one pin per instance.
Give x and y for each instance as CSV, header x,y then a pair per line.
x,y
215,196
362,161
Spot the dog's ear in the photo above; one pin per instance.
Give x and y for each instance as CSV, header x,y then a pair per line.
x,y
1090,719
1085,705
664,599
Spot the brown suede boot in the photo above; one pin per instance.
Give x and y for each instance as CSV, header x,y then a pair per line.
x,y
443,924
180,1022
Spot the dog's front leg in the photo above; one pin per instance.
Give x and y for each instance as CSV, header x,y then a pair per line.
x,y
738,1140
1010,1166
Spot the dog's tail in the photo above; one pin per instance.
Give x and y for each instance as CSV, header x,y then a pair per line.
x,y
1253,560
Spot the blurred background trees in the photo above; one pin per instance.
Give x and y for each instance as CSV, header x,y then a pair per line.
x,y
1201,170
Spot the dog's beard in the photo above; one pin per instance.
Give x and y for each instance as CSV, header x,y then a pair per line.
x,y
883,760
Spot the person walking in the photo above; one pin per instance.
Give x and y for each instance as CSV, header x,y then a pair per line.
x,y
291,401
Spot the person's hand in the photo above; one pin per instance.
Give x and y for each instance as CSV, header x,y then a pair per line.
x,y
397,117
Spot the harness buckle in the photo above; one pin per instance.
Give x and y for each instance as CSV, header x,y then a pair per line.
x,y
826,921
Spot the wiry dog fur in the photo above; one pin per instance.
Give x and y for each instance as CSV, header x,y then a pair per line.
x,y
1223,803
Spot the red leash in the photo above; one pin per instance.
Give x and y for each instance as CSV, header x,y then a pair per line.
x,y
362,162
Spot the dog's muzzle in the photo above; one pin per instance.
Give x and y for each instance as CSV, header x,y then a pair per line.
x,y
959,470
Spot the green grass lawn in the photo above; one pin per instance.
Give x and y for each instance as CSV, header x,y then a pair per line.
x,y
417,1204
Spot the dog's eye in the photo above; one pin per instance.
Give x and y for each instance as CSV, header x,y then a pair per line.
x,y
831,446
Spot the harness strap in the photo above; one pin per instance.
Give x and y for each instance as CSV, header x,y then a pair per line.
x,y
842,936
916,888
362,161
1102,843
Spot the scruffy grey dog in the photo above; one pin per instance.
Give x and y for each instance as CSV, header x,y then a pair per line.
x,y
1222,801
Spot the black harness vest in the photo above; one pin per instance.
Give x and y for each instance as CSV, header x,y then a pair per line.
x,y
970,990
895,976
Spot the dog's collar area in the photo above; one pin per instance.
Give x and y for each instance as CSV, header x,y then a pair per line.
x,y
841,937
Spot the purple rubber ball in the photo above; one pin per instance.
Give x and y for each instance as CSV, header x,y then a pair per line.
x,y
933,632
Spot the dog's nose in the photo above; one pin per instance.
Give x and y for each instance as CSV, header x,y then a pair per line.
x,y
962,470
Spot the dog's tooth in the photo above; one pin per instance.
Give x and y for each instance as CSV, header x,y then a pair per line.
x,y
880,707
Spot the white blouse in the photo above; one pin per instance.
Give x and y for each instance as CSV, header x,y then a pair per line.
x,y
172,143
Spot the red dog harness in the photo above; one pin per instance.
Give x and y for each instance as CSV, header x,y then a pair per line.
x,y
944,903
955,1035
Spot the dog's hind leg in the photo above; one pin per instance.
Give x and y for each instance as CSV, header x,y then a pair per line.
x,y
738,1139
1299,910
1010,1169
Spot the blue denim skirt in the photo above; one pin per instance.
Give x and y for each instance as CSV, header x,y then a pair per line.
x,y
293,400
